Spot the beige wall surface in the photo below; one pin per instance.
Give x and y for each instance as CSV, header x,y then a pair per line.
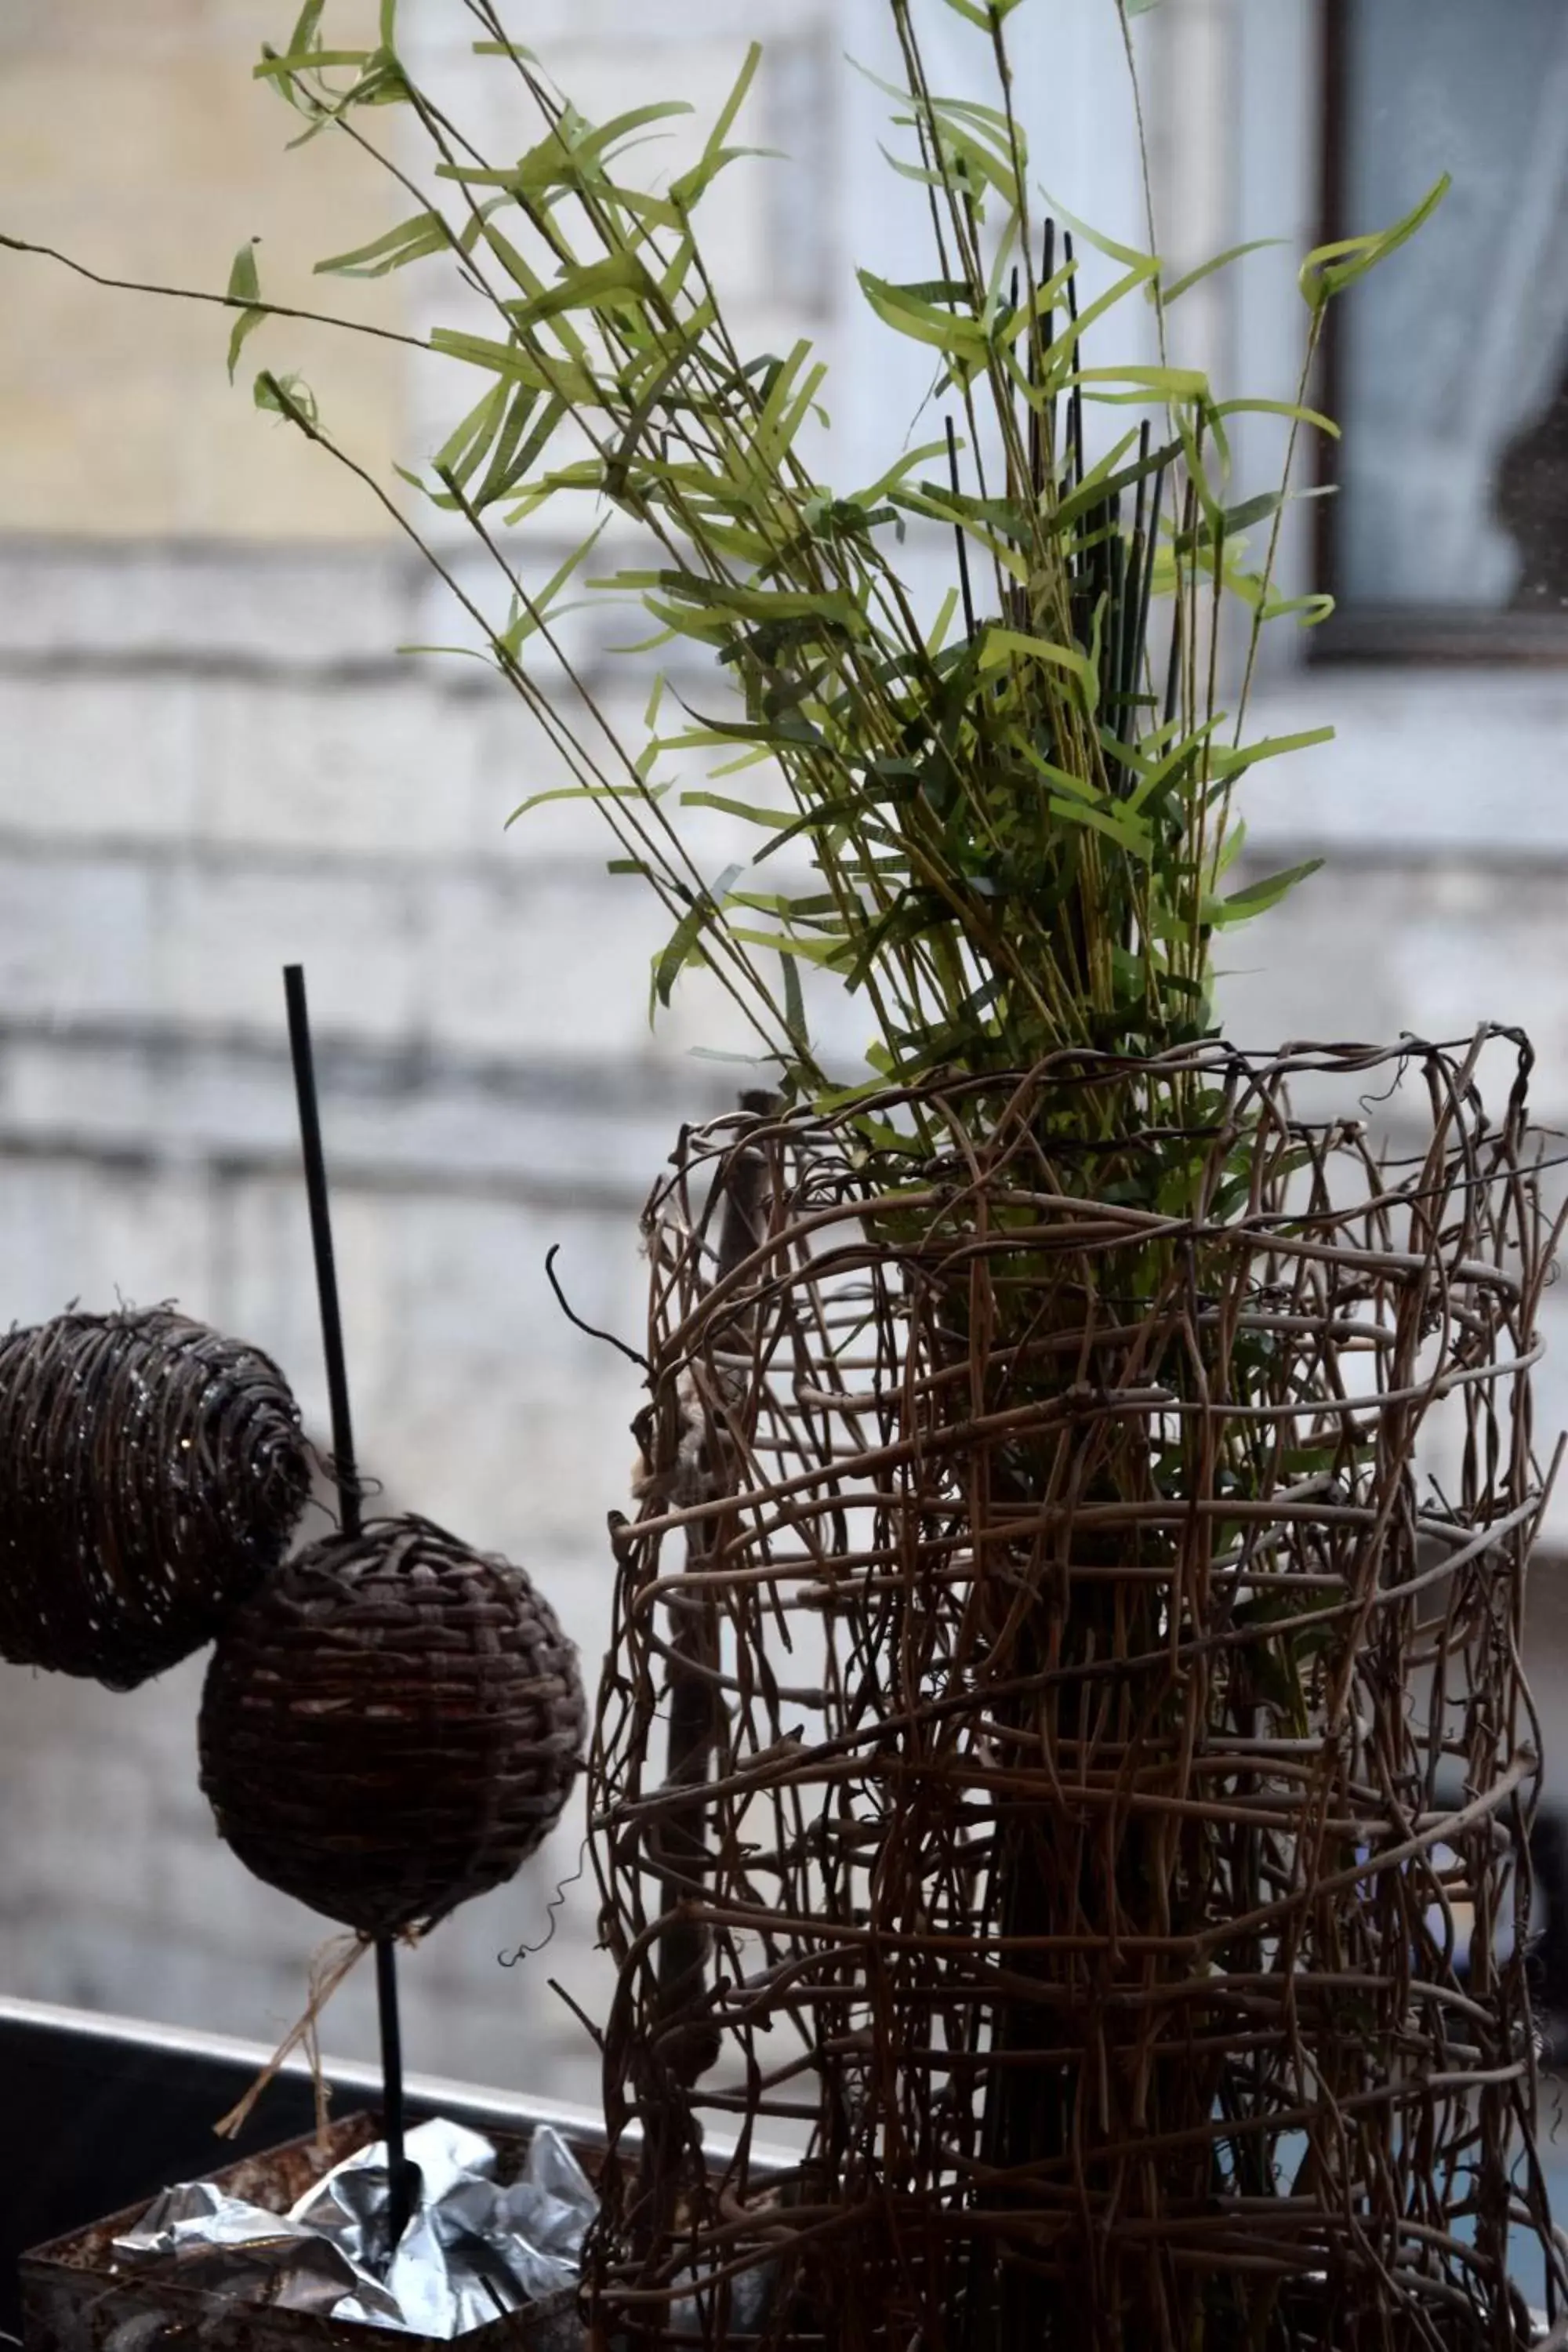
x,y
134,138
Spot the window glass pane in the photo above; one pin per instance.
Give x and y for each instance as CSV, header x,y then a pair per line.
x,y
1453,355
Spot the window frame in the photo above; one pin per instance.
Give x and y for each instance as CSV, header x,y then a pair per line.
x,y
1386,632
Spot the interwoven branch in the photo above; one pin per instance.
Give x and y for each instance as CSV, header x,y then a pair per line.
x,y
151,1471
392,1725
1106,1512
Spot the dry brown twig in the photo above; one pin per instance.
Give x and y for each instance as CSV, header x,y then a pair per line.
x,y
1088,1899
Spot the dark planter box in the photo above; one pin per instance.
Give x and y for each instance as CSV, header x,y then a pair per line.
x,y
99,2113
75,2297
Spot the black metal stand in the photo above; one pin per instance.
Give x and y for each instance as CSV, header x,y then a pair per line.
x,y
349,1514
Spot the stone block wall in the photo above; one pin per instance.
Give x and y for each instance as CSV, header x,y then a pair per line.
x,y
173,826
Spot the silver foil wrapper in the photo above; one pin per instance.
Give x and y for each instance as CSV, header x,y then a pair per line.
x,y
474,2248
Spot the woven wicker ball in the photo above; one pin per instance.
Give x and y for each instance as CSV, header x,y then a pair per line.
x,y
391,1725
151,1472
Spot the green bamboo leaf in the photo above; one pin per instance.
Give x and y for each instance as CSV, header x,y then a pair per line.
x,y
1258,897
305,34
985,13
834,606
918,173
539,609
943,621
1105,817
411,241
500,479
1236,519
505,415
979,166
244,286
1330,268
574,152
1287,408
1231,847
1139,264
942,505
1007,516
1010,324
967,806
640,792
1242,516
1000,643
1227,764
1107,477
273,67
515,447
993,122
961,342
818,913
566,377
948,124
1165,383
896,473
1169,767
794,1003
829,954
1058,374
724,121
466,445
1077,802
684,945
752,759
1180,286
686,191
1312,610
285,396
384,83
1062,780
448,653
585,288
744,810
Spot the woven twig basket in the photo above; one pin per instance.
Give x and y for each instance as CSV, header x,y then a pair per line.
x,y
391,1726
1054,1731
151,1471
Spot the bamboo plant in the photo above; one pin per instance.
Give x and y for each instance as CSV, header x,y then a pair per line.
x,y
1019,819
1008,829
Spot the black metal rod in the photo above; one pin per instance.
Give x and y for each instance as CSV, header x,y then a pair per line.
x,y
1044,446
347,1475
344,1468
958,531
1075,398
399,2184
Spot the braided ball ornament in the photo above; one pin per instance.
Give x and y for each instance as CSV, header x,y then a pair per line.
x,y
391,1725
151,1473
